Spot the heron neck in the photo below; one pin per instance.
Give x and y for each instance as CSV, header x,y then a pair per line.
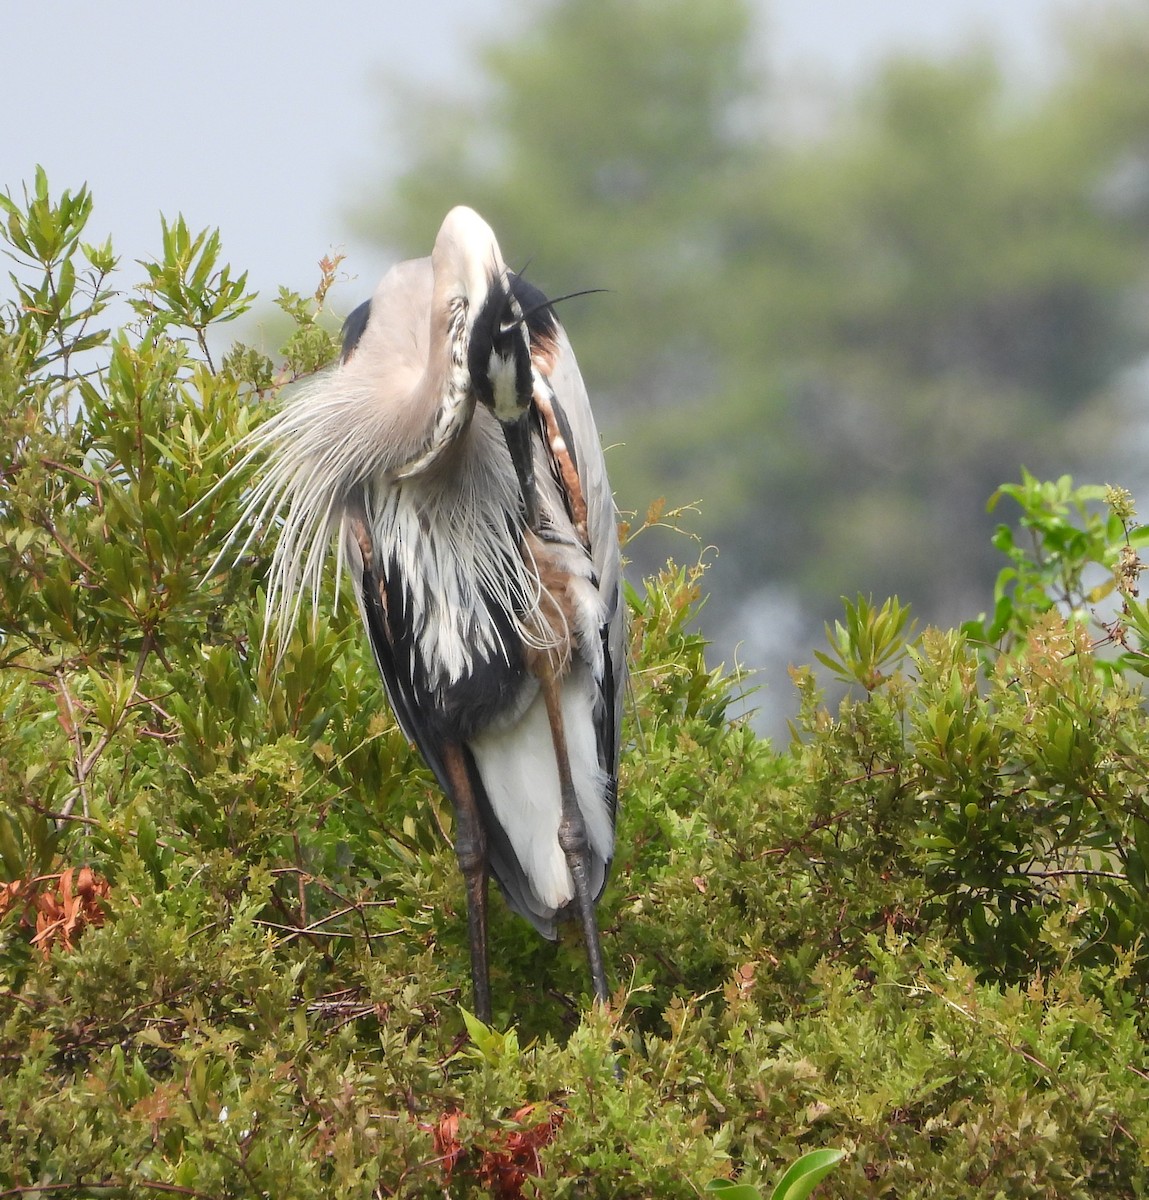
x,y
450,381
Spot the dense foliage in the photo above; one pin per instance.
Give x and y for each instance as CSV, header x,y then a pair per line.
x,y
232,945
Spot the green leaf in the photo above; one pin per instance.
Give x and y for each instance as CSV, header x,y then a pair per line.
x,y
805,1174
490,1045
733,1191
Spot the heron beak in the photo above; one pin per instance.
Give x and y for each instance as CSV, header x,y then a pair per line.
x,y
518,437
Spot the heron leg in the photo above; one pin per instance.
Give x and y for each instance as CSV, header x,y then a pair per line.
x,y
573,836
471,851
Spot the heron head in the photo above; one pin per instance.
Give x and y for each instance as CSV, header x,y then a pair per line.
x,y
470,266
499,361
499,353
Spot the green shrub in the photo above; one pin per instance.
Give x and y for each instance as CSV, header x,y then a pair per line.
x,y
232,942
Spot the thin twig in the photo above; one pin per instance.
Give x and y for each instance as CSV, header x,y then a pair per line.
x,y
94,483
54,533
310,930
1068,871
85,763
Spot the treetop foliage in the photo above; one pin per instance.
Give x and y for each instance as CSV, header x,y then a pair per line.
x,y
232,937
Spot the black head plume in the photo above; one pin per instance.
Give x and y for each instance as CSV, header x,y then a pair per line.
x,y
498,356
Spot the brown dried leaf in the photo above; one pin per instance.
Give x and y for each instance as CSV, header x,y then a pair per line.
x,y
63,911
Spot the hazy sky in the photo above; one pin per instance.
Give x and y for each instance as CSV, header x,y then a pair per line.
x,y
264,117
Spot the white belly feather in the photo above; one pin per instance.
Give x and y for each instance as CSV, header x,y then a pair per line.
x,y
519,772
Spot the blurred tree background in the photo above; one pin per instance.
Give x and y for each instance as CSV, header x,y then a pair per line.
x,y
838,341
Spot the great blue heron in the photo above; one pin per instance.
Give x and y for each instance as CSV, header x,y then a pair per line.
x,y
454,451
